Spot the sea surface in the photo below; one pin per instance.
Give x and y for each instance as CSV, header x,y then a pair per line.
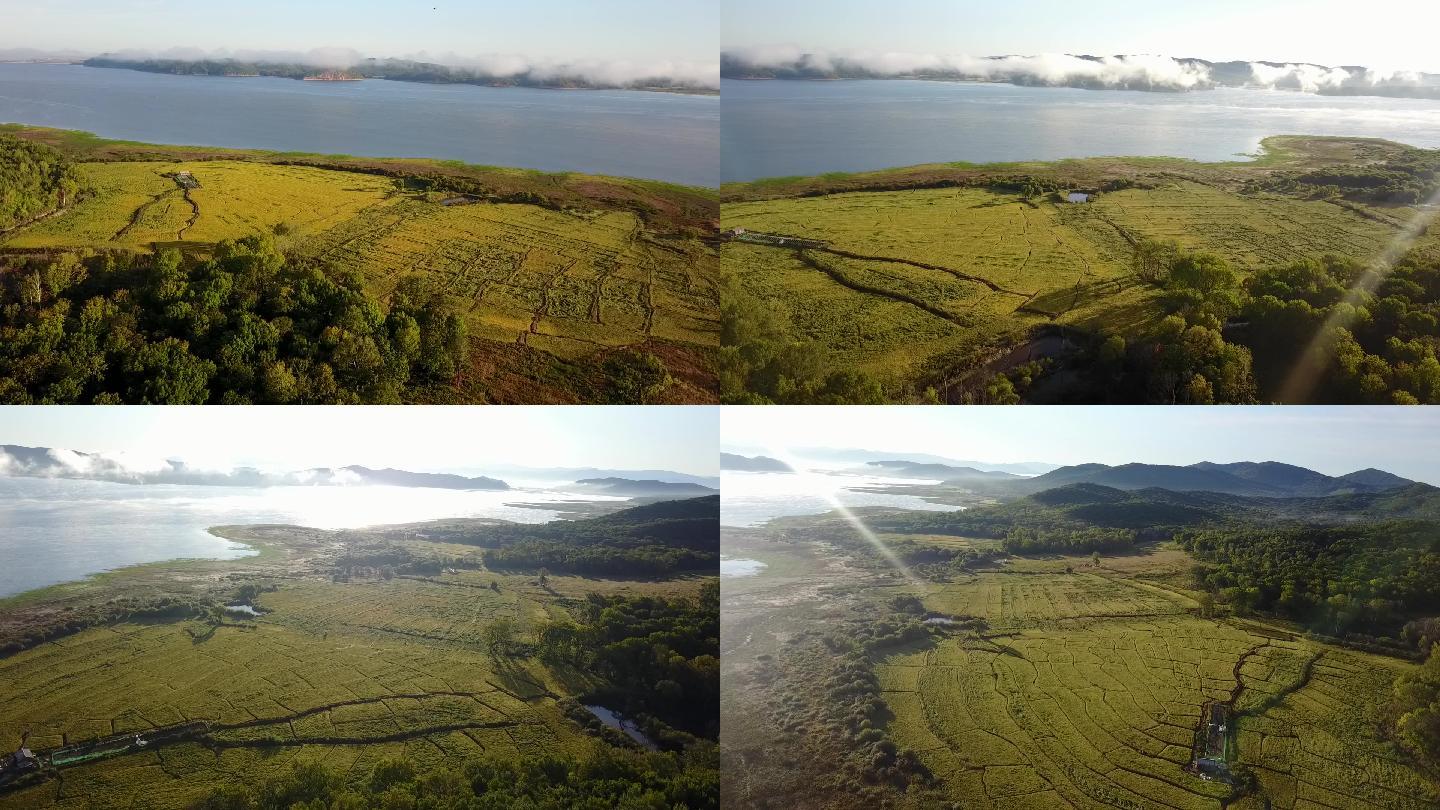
x,y
752,499
659,136
57,530
782,128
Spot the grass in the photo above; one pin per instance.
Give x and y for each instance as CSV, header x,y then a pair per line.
x,y
362,661
554,272
1088,689
1080,686
1069,264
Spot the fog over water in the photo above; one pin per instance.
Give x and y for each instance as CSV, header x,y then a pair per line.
x,y
752,499
58,530
779,128
659,136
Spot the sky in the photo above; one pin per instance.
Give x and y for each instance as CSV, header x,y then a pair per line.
x,y
421,439
1331,440
644,30
1396,35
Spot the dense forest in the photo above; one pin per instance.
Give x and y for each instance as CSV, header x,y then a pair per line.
x,y
656,540
1366,577
34,180
606,780
1073,519
1407,178
1414,712
1224,341
660,658
245,326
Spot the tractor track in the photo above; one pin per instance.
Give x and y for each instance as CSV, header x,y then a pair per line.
x,y
803,245
139,212
194,217
843,280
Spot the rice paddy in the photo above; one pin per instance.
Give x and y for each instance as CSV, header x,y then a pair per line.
x,y
554,273
997,264
343,673
1086,691
1063,683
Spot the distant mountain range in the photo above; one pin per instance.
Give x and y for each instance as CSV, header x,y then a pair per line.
x,y
401,478
941,472
1158,511
850,456
632,488
731,461
1119,72
568,474
1248,479
45,462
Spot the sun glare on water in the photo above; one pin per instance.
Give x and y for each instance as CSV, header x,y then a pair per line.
x,y
828,487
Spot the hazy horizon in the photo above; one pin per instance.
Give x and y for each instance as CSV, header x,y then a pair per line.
x,y
1325,32
1333,440
678,439
620,41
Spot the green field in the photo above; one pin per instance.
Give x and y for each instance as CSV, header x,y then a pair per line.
x,y
1069,684
344,673
1086,689
554,273
1002,263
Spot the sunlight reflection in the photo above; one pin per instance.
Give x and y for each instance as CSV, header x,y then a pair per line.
x,y
827,487
1305,376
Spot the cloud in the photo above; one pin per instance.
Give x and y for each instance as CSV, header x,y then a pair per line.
x,y
1137,72
608,73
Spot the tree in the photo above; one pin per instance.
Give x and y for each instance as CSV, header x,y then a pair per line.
x,y
1001,391
1153,259
635,377
499,635
166,373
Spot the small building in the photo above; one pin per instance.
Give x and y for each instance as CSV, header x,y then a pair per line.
x,y
186,180
1077,197
22,760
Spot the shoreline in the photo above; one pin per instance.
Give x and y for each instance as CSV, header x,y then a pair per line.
x,y
1273,152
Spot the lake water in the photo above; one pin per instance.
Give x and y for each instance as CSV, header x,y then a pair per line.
x,y
751,499
733,567
781,128
661,136
54,530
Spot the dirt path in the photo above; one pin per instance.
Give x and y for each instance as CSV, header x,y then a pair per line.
x,y
544,308
195,207
139,212
801,246
19,226
840,278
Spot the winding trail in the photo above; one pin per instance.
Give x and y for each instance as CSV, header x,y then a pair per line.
x,y
844,280
800,246
139,212
195,207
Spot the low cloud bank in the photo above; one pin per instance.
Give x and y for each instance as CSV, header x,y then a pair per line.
x,y
44,462
1126,72
513,67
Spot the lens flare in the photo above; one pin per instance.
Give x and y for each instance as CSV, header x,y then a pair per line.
x,y
825,487
1305,376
